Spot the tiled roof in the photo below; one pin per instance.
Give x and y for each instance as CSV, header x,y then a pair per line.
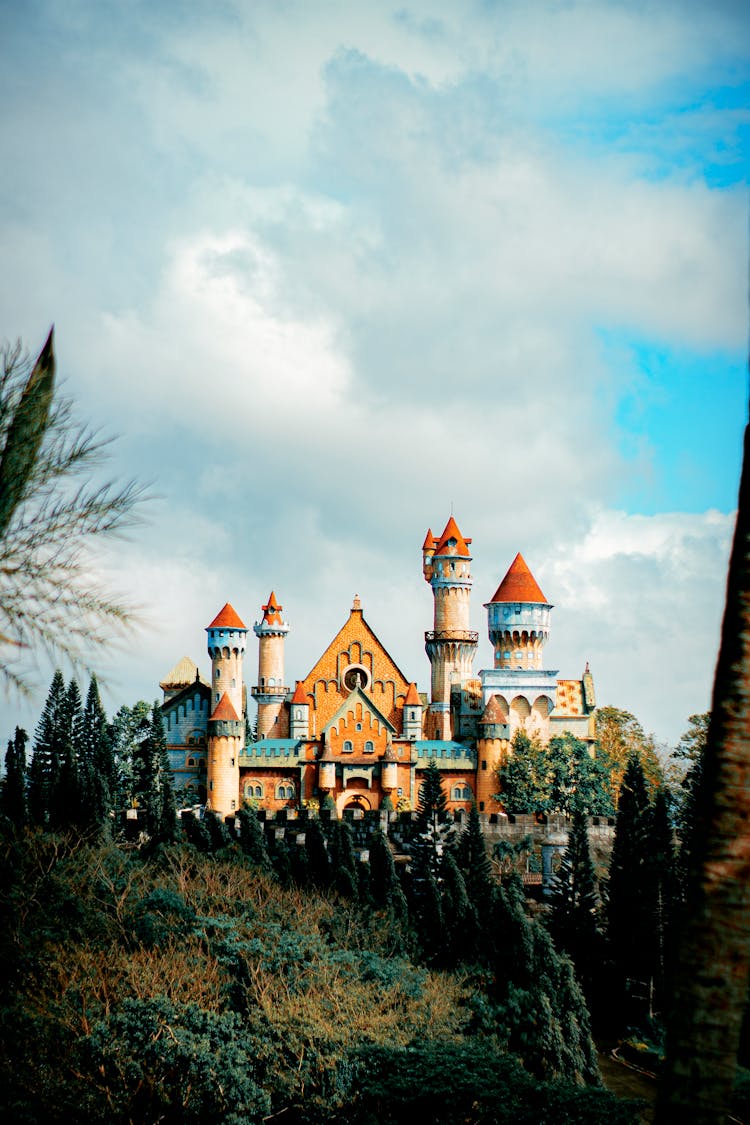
x,y
451,532
272,611
429,541
412,697
299,694
493,712
519,584
227,618
224,709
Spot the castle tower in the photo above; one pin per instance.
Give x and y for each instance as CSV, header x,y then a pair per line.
x,y
492,746
450,645
518,619
226,729
271,691
299,719
412,723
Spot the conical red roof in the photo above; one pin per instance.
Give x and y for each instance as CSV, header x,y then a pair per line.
x,y
412,697
227,618
451,532
299,694
272,611
493,712
429,541
224,709
519,584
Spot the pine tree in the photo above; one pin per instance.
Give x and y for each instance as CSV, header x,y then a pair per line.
x,y
459,917
45,761
145,778
629,921
67,796
97,761
661,889
385,888
574,903
343,860
165,828
13,788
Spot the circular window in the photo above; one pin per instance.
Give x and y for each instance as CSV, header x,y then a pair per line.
x,y
356,675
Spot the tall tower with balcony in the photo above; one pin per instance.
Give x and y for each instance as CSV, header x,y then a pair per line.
x,y
270,692
226,728
450,644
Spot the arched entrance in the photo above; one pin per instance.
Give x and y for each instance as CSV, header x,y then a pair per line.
x,y
358,802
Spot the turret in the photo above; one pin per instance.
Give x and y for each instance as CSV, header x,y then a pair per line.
x,y
518,619
412,722
299,715
226,729
450,645
270,691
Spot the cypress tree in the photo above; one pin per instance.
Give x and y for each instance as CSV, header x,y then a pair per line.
x,y
343,861
476,866
385,888
459,918
661,886
13,789
165,819
45,760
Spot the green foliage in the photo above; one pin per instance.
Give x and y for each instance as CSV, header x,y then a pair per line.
x,y
523,776
47,751
555,777
48,598
619,737
574,906
252,839
13,786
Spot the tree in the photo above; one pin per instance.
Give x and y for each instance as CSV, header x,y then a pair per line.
x,y
48,597
629,909
523,775
574,903
385,888
712,977
128,730
252,839
166,828
13,787
97,761
619,735
577,778
67,797
47,748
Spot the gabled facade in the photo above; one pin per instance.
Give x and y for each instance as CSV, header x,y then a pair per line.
x,y
355,732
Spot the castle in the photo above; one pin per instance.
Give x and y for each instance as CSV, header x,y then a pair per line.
x,y
356,730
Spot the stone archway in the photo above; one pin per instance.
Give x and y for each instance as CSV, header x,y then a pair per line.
x,y
357,802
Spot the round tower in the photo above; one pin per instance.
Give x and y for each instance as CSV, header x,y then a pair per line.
x,y
518,619
492,747
451,644
270,691
226,728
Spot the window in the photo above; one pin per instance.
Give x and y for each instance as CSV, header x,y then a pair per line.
x,y
460,793
234,804
284,792
484,763
217,697
218,673
359,726
369,747
400,792
347,747
481,806
253,789
232,761
191,761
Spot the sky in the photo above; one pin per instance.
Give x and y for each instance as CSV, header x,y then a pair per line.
x,y
334,269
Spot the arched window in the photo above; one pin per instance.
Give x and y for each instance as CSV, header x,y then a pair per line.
x,y
369,747
253,790
191,761
284,792
461,793
347,747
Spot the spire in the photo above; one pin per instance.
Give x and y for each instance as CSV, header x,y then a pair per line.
x,y
356,604
429,541
452,542
272,610
227,618
412,697
299,694
519,584
224,710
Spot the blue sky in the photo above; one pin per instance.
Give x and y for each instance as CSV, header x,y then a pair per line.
x,y
331,267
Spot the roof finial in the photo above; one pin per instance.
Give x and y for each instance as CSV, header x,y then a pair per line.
x,y
356,604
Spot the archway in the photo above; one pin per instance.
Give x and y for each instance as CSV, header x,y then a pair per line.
x,y
358,802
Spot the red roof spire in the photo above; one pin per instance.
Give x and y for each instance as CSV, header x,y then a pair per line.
x,y
460,546
299,694
429,541
227,618
412,697
272,611
519,584
225,710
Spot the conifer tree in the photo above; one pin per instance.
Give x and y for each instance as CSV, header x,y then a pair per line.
x,y
343,861
476,866
629,921
13,788
45,761
165,828
661,890
97,761
145,778
319,864
385,888
574,902
67,797
252,839
459,917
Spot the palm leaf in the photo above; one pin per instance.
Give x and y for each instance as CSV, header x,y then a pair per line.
x,y
26,433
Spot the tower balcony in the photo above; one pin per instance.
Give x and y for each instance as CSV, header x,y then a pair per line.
x,y
468,636
267,693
